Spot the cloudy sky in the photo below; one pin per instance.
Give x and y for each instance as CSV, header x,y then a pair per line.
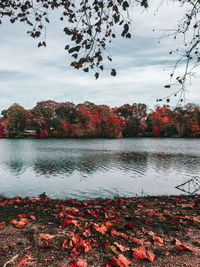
x,y
29,74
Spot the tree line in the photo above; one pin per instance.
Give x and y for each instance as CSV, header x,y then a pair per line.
x,y
67,120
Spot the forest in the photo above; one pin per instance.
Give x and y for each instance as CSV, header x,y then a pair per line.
x,y
67,120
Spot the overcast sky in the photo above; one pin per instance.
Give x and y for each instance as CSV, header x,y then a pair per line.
x,y
29,74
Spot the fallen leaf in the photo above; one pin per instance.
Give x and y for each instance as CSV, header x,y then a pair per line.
x,y
25,260
79,263
130,225
67,222
186,247
150,256
12,244
102,229
121,261
2,224
64,245
46,244
158,240
139,253
18,224
122,248
176,242
32,217
138,241
46,236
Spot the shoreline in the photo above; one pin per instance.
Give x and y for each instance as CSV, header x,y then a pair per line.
x,y
136,231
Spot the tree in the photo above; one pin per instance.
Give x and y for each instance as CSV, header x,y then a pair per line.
x,y
90,27
15,120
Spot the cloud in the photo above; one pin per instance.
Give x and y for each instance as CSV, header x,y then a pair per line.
x,y
29,74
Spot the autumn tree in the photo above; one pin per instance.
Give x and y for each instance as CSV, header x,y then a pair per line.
x,y
15,120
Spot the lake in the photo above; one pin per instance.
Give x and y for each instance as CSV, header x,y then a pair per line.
x,y
87,168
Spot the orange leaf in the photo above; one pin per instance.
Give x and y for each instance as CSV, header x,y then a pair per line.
x,y
12,244
138,241
150,256
102,229
20,224
186,247
32,217
46,236
25,260
79,263
158,240
46,244
177,242
139,253
121,261
122,248
64,245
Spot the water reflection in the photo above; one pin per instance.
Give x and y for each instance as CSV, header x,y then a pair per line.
x,y
90,163
16,167
191,186
98,167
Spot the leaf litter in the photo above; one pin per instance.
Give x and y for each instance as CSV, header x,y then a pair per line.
x,y
142,231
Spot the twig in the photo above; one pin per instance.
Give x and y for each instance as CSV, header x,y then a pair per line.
x,y
11,260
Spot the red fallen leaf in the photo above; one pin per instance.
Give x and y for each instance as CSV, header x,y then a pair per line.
x,y
190,205
185,247
46,236
150,212
32,217
167,253
130,225
64,245
149,221
46,244
19,216
158,240
108,224
12,244
25,220
107,243
150,256
25,260
79,263
2,224
138,241
114,232
150,233
108,265
18,224
67,222
178,200
176,242
139,253
71,210
121,261
102,229
180,248
122,248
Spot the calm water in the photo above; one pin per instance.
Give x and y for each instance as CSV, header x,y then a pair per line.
x,y
88,168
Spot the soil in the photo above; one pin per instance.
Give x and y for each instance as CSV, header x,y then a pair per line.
x,y
100,232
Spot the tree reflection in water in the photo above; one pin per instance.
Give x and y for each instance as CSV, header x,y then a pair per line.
x,y
191,186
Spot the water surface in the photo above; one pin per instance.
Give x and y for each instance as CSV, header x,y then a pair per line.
x,y
86,168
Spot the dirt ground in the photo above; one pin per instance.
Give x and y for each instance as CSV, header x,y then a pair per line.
x,y
143,231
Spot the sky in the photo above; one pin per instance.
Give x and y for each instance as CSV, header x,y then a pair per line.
x,y
29,74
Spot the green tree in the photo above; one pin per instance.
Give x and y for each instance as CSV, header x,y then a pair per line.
x,y
16,120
